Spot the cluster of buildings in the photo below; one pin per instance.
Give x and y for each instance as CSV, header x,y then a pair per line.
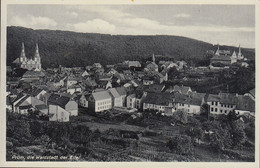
x,y
226,58
59,92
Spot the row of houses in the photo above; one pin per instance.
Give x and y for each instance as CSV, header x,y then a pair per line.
x,y
169,101
57,107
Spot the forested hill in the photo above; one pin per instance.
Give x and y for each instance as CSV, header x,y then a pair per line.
x,y
80,49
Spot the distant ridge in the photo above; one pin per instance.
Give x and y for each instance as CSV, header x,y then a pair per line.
x,y
80,49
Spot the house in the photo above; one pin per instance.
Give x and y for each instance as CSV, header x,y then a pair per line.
x,y
122,93
152,66
71,81
111,71
155,88
73,89
64,102
90,82
181,89
97,70
132,63
42,108
157,101
158,77
59,82
189,103
104,77
24,103
97,65
32,75
135,100
85,74
37,93
251,94
119,77
147,80
245,105
116,98
131,101
8,103
57,113
165,65
83,101
104,84
222,103
100,101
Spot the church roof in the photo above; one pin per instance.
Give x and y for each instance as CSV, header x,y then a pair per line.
x,y
221,57
16,61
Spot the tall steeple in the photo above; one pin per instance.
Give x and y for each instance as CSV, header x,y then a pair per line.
x,y
23,51
239,50
217,52
153,58
36,55
22,56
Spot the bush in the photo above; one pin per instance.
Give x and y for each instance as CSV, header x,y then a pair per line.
x,y
181,144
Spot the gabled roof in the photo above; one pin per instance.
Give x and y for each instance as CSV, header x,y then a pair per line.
x,y
227,98
35,92
22,101
158,98
121,91
101,95
213,97
252,92
153,88
41,107
58,100
114,92
16,61
33,74
221,57
245,103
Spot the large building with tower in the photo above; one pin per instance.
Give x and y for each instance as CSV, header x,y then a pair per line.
x,y
225,57
30,64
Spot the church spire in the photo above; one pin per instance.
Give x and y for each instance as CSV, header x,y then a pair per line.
x,y
23,51
36,55
153,58
239,49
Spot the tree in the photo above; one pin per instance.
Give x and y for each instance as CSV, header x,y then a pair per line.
x,y
19,130
181,116
238,133
196,133
180,144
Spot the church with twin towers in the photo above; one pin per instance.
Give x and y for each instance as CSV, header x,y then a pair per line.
x,y
30,64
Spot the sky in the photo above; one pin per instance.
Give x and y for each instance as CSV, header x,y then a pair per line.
x,y
223,24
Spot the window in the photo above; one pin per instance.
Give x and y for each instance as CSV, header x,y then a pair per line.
x,y
225,111
212,103
212,109
221,111
216,103
216,109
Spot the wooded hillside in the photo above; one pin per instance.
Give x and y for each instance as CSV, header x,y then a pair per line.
x,y
80,49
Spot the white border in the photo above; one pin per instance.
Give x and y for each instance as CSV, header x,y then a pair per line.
x,y
3,163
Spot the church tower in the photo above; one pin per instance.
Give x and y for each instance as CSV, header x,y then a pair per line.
x,y
37,58
153,58
23,58
217,52
239,55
